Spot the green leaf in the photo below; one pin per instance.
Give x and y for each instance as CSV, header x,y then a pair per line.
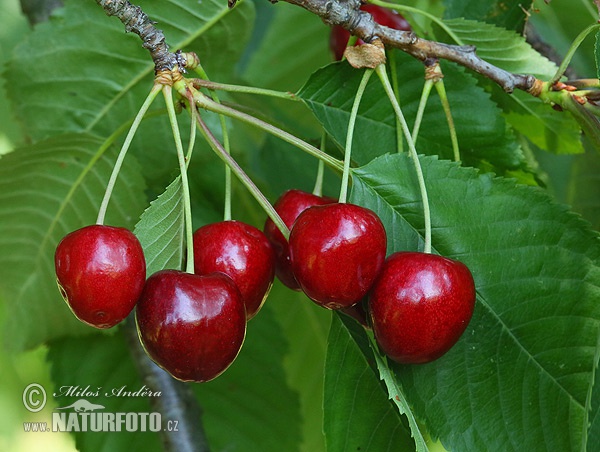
x,y
548,129
14,29
306,327
584,187
358,415
503,48
482,133
593,438
519,377
510,14
597,54
48,190
161,230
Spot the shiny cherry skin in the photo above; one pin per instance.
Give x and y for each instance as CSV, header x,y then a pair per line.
x,y
383,16
243,253
420,306
289,205
337,251
100,271
192,326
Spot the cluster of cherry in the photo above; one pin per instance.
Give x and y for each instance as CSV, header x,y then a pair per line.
x,y
194,325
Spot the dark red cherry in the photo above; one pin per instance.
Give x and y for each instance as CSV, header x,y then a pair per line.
x,y
240,251
289,205
383,16
337,251
100,271
192,326
420,306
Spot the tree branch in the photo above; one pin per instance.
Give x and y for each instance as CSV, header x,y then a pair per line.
x,y
346,13
177,401
153,39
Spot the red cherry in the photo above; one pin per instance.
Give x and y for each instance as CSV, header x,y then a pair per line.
x,y
240,251
100,272
192,326
289,205
420,306
337,251
383,16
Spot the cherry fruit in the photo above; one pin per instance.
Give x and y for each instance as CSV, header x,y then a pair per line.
x,y
192,326
420,306
240,251
289,205
100,271
383,16
337,251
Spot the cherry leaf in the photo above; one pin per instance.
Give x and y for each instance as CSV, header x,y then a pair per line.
x,y
358,415
547,128
505,13
48,190
161,230
521,374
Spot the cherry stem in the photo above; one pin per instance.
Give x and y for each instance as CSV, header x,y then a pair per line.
x,y
571,52
241,175
205,83
350,134
421,110
187,204
318,190
156,88
190,151
441,90
204,102
413,153
227,207
394,74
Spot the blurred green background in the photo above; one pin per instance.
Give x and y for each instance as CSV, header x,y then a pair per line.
x,y
18,371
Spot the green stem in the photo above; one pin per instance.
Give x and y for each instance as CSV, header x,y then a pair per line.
x,y
350,134
205,83
569,56
413,153
318,190
242,176
227,207
190,151
410,9
394,74
204,102
421,110
441,90
187,204
119,162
